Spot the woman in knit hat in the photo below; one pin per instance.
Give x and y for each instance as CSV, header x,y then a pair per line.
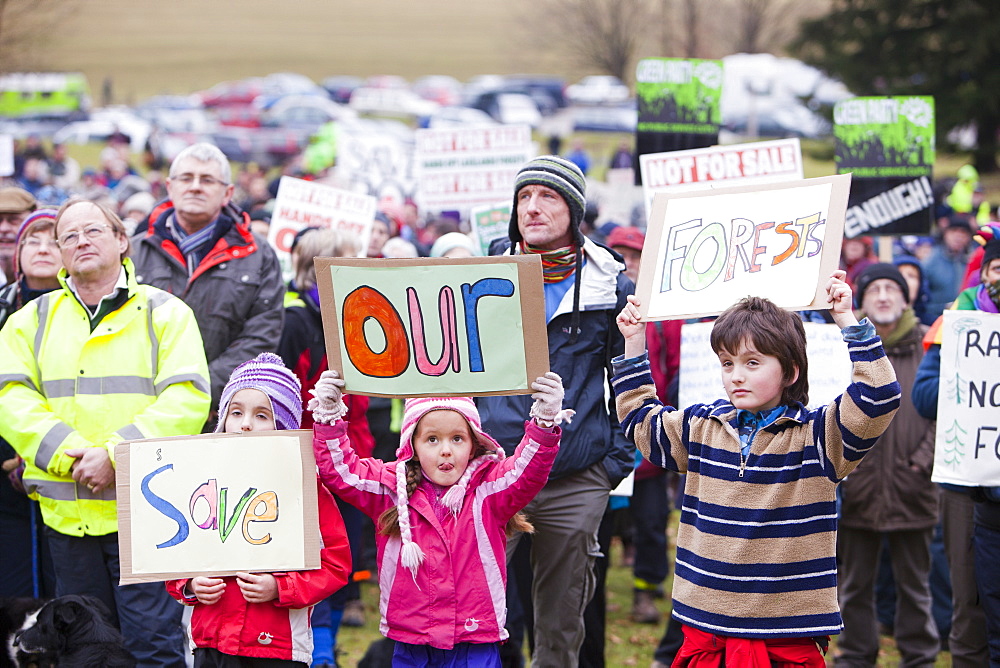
x,y
443,511
264,615
36,262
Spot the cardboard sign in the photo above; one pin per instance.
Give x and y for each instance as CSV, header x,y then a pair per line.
x,y
458,168
216,504
700,375
489,223
967,441
706,251
301,204
887,143
731,165
435,327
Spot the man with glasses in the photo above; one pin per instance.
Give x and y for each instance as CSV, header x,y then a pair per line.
x,y
99,360
199,246
15,205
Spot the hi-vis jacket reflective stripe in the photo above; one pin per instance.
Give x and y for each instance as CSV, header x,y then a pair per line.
x,y
140,374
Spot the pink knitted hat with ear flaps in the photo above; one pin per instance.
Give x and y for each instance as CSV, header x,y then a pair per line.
x,y
414,410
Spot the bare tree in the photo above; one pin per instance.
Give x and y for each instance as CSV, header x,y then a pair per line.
x,y
24,29
598,35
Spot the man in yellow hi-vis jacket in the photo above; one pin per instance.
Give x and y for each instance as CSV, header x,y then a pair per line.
x,y
101,360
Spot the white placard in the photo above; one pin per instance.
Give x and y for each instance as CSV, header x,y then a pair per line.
x,y
720,166
967,441
706,250
458,168
6,155
700,375
301,204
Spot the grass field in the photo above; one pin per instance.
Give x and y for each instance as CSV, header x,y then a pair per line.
x,y
149,47
627,643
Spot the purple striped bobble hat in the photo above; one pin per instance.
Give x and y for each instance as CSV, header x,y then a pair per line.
x,y
267,373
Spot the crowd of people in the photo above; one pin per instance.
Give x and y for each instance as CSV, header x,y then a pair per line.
x,y
151,305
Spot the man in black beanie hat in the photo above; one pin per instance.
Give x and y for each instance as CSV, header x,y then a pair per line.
x,y
585,288
890,496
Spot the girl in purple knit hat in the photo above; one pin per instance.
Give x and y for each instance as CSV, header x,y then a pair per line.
x,y
256,619
443,511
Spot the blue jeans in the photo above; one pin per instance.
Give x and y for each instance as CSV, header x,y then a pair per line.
x,y
149,619
987,545
460,656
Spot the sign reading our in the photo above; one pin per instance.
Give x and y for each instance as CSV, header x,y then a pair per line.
x,y
216,504
967,441
707,250
434,327
301,204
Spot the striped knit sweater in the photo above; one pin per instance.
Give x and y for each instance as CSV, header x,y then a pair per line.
x,y
756,546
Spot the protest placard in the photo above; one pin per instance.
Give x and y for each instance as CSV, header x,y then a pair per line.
x,y
699,377
887,144
458,168
967,440
706,250
489,223
6,155
434,326
679,95
720,166
216,504
302,204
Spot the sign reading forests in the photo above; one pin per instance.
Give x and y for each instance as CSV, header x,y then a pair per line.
x,y
887,143
434,327
301,204
216,504
457,168
730,165
706,250
967,441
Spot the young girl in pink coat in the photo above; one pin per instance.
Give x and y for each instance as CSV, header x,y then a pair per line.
x,y
443,511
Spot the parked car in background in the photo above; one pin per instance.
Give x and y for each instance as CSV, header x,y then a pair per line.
x,y
304,112
548,92
401,102
509,108
175,113
604,118
443,89
104,123
454,117
598,89
340,87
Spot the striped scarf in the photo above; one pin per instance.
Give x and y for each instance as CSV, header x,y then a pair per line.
x,y
557,265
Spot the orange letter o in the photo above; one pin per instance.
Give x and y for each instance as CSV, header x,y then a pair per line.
x,y
362,304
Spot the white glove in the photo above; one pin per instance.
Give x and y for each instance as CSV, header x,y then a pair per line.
x,y
548,396
327,404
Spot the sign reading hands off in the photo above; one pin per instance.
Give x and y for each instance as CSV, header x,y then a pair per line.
x,y
216,504
707,250
434,326
967,441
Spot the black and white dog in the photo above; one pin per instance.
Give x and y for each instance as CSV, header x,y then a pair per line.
x,y
13,612
71,632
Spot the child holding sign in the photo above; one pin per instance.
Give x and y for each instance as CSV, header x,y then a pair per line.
x,y
756,575
442,510
264,615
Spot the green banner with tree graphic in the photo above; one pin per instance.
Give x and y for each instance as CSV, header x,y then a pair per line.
x,y
679,95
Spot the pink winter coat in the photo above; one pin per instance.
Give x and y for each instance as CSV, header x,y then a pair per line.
x,y
459,593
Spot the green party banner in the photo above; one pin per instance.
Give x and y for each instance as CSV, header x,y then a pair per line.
x,y
679,95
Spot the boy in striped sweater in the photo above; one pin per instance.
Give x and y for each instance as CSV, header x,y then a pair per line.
x,y
756,575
